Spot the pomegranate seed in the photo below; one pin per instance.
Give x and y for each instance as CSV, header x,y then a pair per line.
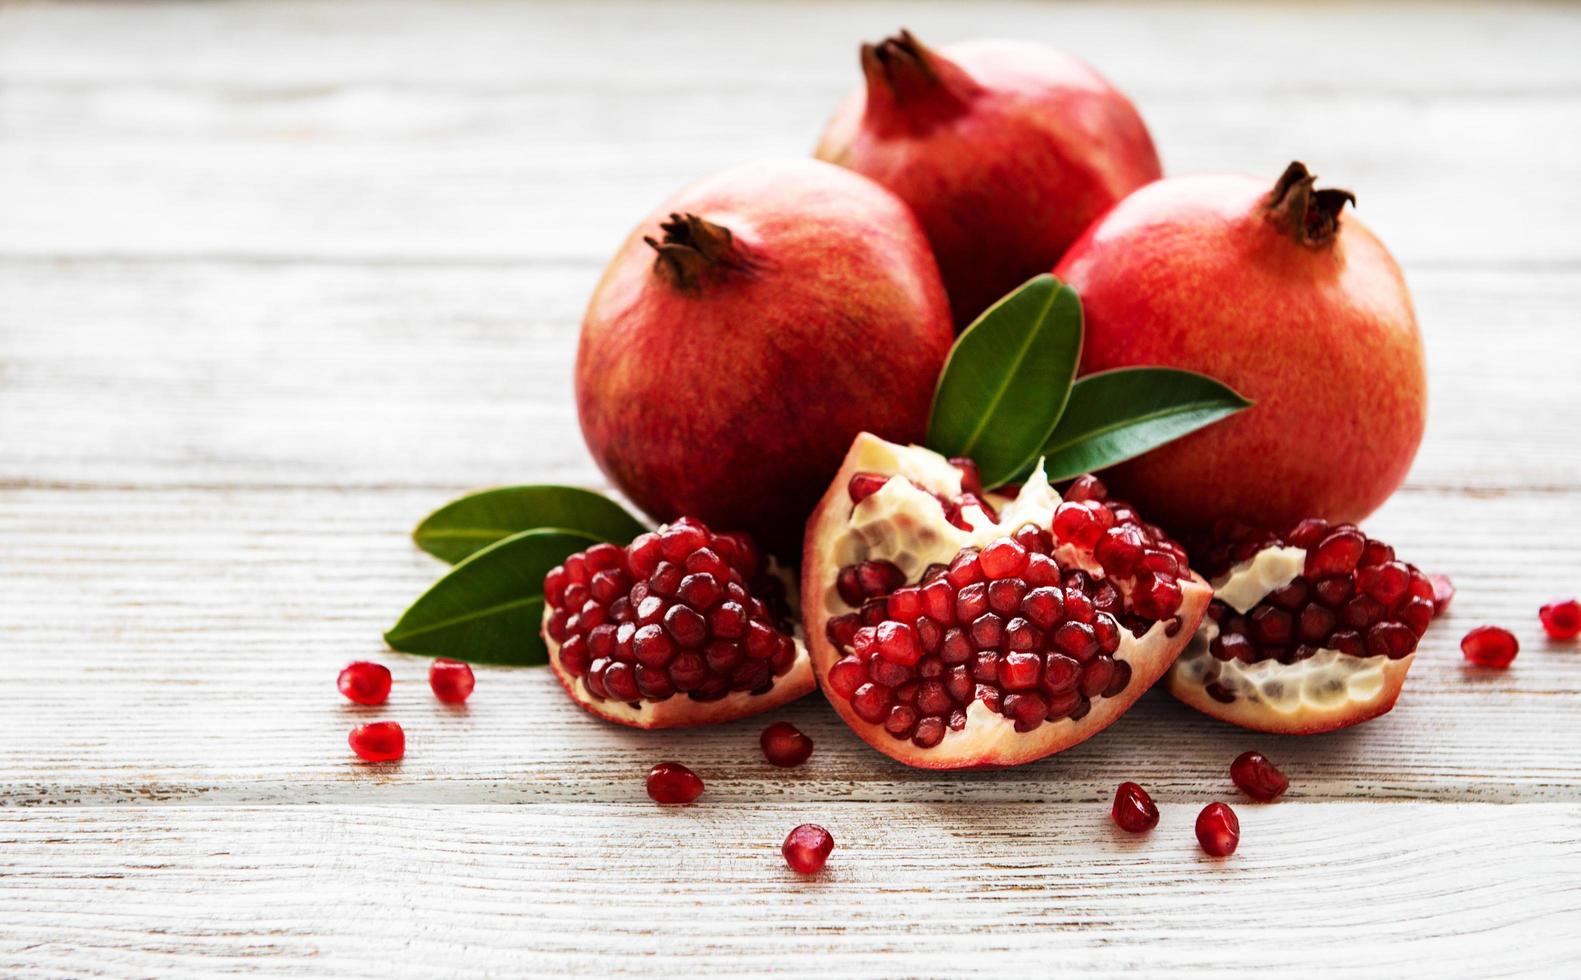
x,y
1003,558
1086,487
365,682
1218,830
846,676
673,783
784,745
1490,646
1258,778
379,741
1133,809
451,680
807,848
1561,620
1337,554
897,643
864,485
1443,592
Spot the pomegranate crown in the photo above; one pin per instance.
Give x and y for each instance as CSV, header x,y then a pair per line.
x,y
909,84
1309,216
693,248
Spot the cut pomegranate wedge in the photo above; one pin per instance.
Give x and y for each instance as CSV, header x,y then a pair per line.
x,y
953,629
681,627
1308,632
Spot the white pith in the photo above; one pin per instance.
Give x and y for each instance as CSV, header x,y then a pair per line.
x,y
678,710
1306,696
904,524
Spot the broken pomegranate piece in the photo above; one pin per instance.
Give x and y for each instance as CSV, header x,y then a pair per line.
x,y
956,630
681,627
1308,632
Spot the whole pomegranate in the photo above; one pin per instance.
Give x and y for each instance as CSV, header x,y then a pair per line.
x,y
1278,295
1005,150
743,335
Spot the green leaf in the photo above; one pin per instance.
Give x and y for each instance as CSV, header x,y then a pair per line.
x,y
476,521
1115,415
489,607
1007,380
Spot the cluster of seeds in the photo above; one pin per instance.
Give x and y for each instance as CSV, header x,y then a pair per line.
x,y
1006,624
1352,596
367,683
681,610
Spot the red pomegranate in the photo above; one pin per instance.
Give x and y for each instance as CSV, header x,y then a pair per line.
x,y
1309,631
1278,295
1006,150
681,627
748,330
953,630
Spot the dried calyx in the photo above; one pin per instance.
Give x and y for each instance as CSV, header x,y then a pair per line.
x,y
1307,215
693,249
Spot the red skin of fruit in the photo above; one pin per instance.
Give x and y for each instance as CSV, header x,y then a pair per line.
x,y
364,682
734,399
379,741
1561,620
806,848
1189,272
1006,151
451,680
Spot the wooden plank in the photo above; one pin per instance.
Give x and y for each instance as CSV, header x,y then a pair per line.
x,y
943,889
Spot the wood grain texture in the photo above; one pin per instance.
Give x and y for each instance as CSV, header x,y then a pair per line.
x,y
277,279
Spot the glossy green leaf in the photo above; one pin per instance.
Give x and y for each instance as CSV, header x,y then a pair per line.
x,y
1007,380
477,520
489,607
1115,415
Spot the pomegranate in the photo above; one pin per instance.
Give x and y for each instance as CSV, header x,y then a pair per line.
x,y
746,332
953,631
784,745
680,627
1134,811
1308,632
807,848
1006,151
671,783
1490,646
379,741
1258,778
364,682
1218,830
1280,297
1561,620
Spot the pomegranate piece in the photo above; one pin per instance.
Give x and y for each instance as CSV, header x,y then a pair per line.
x,y
1490,646
379,741
1258,778
807,848
451,680
1443,593
1561,620
1309,631
784,745
1218,830
673,784
364,682
683,626
1133,809
949,647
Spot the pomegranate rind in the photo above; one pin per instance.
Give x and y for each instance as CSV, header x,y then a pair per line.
x,y
678,710
989,740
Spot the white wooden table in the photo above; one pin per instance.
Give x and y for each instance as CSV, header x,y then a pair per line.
x,y
276,280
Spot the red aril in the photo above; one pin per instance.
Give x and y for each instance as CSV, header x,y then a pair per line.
x,y
784,745
379,741
1133,809
1258,778
806,848
451,680
1443,593
1310,630
1561,620
672,783
746,331
684,626
364,682
952,631
1006,150
1218,830
1289,302
1490,646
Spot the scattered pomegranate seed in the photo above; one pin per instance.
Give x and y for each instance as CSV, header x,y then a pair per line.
x,y
379,741
1562,620
1443,592
1218,830
365,682
807,848
1133,809
784,745
671,782
451,680
1257,777
1490,646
